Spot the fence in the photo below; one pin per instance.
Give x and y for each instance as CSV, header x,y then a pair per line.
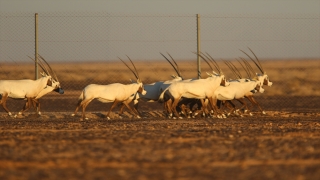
x,y
84,47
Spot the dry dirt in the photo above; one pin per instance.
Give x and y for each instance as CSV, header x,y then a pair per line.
x,y
284,144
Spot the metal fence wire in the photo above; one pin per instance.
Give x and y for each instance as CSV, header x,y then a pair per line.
x,y
85,47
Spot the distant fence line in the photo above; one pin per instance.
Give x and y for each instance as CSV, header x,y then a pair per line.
x,y
103,36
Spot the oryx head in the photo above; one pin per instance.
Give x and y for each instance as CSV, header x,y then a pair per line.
x,y
259,87
263,78
136,74
53,81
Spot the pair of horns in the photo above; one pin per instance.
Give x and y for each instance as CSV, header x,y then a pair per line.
x,y
43,63
176,68
256,62
207,57
135,72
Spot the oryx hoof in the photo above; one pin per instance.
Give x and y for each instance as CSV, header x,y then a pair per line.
x,y
250,114
108,117
73,115
180,117
83,119
264,113
139,117
224,116
120,117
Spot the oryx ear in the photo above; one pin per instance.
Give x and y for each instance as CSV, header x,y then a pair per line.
x,y
139,81
173,76
131,80
42,74
214,73
209,74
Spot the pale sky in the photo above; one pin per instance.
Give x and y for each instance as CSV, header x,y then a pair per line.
x,y
164,6
73,31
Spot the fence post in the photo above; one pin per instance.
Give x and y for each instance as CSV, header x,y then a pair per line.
x,y
198,46
36,45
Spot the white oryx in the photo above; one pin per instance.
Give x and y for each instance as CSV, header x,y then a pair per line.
x,y
56,87
29,89
238,89
153,90
263,78
115,93
197,89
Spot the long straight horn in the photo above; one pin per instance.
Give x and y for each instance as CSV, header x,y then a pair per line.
x,y
172,65
41,66
253,61
138,77
245,68
216,64
206,61
175,64
129,68
54,74
248,66
257,59
234,69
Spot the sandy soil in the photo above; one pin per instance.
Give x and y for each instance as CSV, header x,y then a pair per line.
x,y
280,145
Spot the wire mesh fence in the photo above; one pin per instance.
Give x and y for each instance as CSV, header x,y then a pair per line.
x,y
84,47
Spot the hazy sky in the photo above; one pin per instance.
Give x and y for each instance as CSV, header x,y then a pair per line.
x,y
164,6
273,28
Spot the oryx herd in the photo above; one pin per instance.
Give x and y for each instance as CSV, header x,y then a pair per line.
x,y
209,97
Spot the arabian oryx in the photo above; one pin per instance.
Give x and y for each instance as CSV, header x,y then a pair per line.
x,y
238,89
115,93
197,89
29,89
263,78
153,90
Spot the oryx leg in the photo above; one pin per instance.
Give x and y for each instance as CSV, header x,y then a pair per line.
x,y
36,105
127,104
26,106
4,103
174,107
84,105
254,102
204,107
229,104
135,107
77,108
185,110
167,107
244,105
213,103
112,106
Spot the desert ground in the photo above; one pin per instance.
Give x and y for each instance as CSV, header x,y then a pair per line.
x,y
283,144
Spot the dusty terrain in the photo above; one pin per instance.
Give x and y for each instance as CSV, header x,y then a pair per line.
x,y
284,144
279,145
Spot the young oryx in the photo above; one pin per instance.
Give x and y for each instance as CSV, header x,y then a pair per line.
x,y
263,78
29,89
115,93
153,90
197,89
